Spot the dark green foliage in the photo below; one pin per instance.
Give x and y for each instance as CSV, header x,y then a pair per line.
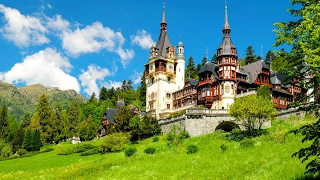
x,y
90,152
214,59
21,152
150,150
122,119
155,138
130,151
73,118
25,122
269,58
190,69
204,60
250,57
87,129
44,112
236,135
65,152
247,143
223,147
176,135
17,142
93,99
191,149
151,127
178,113
103,94
32,140
4,122
143,91
114,142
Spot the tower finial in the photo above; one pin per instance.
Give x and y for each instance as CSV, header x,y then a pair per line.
x,y
226,23
163,23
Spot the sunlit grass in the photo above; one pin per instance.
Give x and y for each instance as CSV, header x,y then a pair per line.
x,y
270,158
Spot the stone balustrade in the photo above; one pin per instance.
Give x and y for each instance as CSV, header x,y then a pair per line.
x,y
246,94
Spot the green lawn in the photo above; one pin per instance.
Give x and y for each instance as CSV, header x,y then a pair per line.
x,y
270,158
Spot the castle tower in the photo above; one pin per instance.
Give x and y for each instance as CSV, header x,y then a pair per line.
x,y
160,73
180,69
227,64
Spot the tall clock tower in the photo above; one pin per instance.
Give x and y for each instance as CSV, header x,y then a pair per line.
x,y
227,63
160,73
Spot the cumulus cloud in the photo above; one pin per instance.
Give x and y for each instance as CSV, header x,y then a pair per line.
x,y
136,77
90,78
22,30
109,84
57,23
47,67
142,39
94,38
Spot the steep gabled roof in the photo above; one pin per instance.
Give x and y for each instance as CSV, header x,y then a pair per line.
x,y
110,113
163,43
226,46
254,69
278,78
209,67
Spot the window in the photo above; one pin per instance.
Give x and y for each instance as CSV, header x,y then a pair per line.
x,y
168,95
203,92
152,80
169,79
168,106
151,106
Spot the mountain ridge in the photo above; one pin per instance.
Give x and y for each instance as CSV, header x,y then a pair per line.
x,y
24,99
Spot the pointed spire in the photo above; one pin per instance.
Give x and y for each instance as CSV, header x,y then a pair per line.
x,y
226,23
163,23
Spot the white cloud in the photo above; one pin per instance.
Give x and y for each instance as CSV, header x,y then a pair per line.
x,y
47,67
142,39
57,23
94,38
109,84
49,6
90,77
22,30
136,77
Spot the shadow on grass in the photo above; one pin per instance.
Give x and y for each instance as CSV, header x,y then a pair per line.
x,y
308,177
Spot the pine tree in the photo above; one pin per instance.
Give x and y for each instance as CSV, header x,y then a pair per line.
x,y
190,70
36,140
4,122
214,59
269,57
143,91
27,140
121,120
204,60
44,112
103,94
124,85
93,99
250,57
73,118
17,142
25,121
129,85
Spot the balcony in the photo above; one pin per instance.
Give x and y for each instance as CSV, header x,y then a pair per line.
x,y
161,69
205,81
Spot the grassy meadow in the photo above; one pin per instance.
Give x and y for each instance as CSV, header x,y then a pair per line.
x,y
269,158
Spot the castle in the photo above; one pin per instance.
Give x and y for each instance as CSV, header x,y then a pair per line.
x,y
218,85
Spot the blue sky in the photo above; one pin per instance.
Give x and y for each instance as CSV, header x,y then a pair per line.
x,y
84,45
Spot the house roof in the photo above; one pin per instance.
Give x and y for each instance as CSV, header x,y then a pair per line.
x,y
163,43
110,113
209,67
193,82
226,46
254,69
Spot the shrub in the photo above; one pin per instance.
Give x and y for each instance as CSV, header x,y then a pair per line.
x,y
6,151
191,149
90,152
223,147
236,135
65,152
14,156
176,135
32,153
247,143
150,150
155,138
21,152
114,142
84,147
47,150
130,151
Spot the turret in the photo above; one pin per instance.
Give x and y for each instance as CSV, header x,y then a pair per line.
x,y
180,68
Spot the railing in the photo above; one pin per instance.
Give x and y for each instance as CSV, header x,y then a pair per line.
x,y
246,94
177,109
161,69
205,81
206,111
172,119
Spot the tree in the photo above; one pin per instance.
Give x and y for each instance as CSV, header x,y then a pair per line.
x,y
87,129
44,112
214,59
303,36
136,127
121,120
269,58
250,57
190,70
4,122
93,99
73,118
25,121
204,61
252,111
264,92
143,91
17,142
124,85
103,94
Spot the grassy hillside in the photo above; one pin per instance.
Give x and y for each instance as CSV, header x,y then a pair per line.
x,y
269,158
25,99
